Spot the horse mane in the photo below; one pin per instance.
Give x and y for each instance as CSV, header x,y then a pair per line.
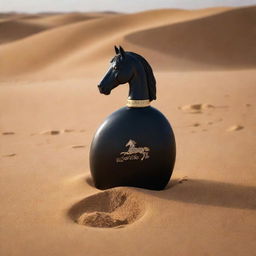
x,y
151,81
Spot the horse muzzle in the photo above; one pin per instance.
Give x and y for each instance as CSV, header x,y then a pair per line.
x,y
103,90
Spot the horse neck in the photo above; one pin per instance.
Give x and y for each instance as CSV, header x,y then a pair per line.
x,y
138,85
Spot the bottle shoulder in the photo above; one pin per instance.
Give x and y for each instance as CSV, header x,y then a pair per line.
x,y
145,114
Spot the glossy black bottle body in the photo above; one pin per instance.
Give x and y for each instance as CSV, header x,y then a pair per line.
x,y
115,159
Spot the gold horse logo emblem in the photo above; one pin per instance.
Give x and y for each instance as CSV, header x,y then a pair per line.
x,y
133,152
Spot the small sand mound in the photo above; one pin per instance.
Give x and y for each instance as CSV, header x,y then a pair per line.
x,y
8,133
52,132
9,155
181,180
111,208
69,130
235,128
78,146
100,219
196,108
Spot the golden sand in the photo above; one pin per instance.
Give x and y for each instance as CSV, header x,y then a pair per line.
x,y
204,63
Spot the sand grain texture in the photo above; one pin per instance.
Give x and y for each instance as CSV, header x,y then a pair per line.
x,y
50,108
112,208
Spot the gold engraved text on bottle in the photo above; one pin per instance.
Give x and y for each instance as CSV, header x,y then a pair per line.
x,y
133,152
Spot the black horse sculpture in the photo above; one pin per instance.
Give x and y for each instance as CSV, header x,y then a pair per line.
x,y
134,69
135,146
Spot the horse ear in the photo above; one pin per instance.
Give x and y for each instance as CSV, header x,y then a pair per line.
x,y
116,50
122,52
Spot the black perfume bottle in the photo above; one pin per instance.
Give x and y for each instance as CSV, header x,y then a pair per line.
x,y
135,145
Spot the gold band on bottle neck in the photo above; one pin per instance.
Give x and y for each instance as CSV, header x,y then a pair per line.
x,y
138,103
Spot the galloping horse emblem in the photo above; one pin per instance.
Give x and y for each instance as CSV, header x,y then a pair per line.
x,y
133,150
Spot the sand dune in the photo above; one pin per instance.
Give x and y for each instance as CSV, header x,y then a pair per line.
x,y
7,15
71,46
50,107
222,40
12,30
14,27
62,19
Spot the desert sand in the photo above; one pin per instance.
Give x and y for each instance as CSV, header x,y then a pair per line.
x,y
205,66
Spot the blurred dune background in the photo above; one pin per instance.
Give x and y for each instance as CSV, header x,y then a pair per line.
x,y
174,39
205,66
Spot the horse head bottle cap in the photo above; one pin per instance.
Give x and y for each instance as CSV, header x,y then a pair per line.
x,y
135,145
134,69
